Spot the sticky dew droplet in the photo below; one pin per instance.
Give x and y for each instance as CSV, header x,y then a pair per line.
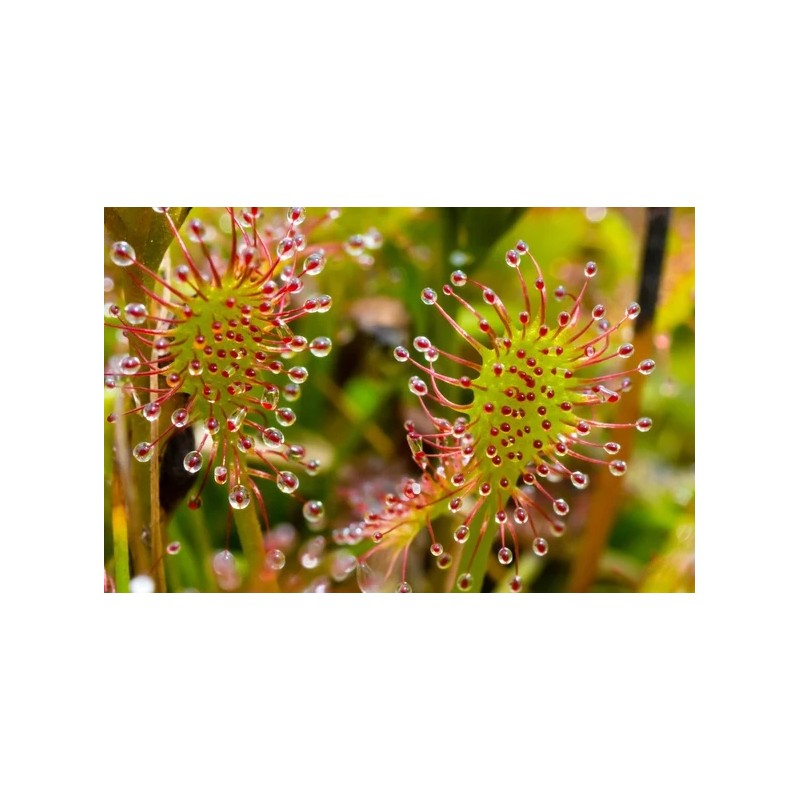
x,y
287,482
193,461
464,581
617,468
428,296
320,347
505,556
122,254
314,512
275,560
273,438
143,451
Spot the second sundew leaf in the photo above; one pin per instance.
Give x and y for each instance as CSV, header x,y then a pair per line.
x,y
533,376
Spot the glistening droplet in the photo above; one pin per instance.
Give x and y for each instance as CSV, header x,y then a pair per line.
x,y
122,254
143,451
287,482
314,511
275,560
320,347
464,581
193,461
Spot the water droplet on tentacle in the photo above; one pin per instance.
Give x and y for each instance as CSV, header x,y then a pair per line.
x,y
646,366
287,482
505,556
180,417
270,397
617,468
275,560
122,254
151,411
273,438
193,461
298,374
321,346
136,313
560,507
314,264
464,581
285,416
314,512
296,216
579,480
143,451
129,365
239,497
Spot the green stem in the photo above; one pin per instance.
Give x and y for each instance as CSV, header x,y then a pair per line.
x,y
252,542
194,528
480,561
119,532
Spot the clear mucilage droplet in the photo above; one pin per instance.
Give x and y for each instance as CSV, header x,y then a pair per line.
x,y
273,438
122,254
239,497
193,461
143,451
428,296
314,512
270,397
505,556
617,468
461,534
320,347
275,560
287,482
151,411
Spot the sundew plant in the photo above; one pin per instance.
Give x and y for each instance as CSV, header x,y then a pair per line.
x,y
399,400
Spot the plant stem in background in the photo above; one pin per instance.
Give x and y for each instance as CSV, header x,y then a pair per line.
x,y
607,495
120,535
252,542
150,234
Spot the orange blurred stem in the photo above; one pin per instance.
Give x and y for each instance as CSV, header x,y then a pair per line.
x,y
607,496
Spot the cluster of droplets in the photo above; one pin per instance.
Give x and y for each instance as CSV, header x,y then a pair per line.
x,y
293,564
392,520
208,344
534,386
